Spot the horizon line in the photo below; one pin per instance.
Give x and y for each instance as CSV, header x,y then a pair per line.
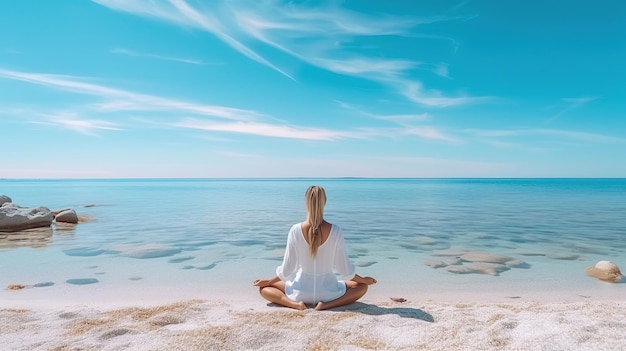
x,y
295,178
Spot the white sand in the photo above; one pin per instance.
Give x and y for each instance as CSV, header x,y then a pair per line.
x,y
214,312
32,320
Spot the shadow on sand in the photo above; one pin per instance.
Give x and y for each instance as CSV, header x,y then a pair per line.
x,y
373,310
404,312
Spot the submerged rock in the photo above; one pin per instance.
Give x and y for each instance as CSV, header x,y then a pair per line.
x,y
147,251
517,264
606,271
439,263
564,256
450,252
82,281
16,218
489,257
479,268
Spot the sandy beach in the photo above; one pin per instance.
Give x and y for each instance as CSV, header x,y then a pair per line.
x,y
244,321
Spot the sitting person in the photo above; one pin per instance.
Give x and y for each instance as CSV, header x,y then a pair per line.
x,y
315,249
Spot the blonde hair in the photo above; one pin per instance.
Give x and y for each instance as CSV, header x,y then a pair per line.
x,y
315,199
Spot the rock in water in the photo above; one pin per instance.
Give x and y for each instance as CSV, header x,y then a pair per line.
x,y
488,257
4,199
15,218
606,271
67,216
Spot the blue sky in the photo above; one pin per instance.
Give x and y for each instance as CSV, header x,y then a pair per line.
x,y
182,88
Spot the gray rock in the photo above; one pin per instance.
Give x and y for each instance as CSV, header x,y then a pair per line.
x,y
15,218
4,199
67,216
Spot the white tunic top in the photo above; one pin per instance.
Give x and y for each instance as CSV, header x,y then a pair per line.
x,y
310,279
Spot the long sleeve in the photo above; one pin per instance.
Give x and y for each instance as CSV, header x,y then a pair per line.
x,y
343,265
290,260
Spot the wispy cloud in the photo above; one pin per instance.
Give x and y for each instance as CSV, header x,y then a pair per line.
x,y
401,119
263,129
233,154
210,23
209,117
411,124
71,120
428,132
404,119
415,92
83,126
570,104
154,56
564,134
442,70
582,136
366,67
312,134
314,34
122,100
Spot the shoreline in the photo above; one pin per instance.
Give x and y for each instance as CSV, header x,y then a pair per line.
x,y
124,294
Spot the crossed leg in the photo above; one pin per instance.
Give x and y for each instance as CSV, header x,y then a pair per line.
x,y
354,291
276,293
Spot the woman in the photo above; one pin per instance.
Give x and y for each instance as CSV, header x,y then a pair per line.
x,y
315,249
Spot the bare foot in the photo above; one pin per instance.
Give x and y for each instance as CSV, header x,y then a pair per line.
x,y
301,306
320,306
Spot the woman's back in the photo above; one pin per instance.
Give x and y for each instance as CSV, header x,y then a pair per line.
x,y
324,260
312,278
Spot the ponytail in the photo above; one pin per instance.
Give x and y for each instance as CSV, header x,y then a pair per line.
x,y
315,198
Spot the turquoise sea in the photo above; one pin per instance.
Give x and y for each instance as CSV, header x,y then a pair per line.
x,y
208,236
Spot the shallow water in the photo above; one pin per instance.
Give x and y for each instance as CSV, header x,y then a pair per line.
x,y
194,233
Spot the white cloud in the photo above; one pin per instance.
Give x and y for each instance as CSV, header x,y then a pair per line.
x,y
415,92
409,125
582,136
442,69
571,104
181,13
565,134
83,126
122,100
116,100
404,119
312,34
368,67
233,154
428,132
159,57
401,119
263,129
241,121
